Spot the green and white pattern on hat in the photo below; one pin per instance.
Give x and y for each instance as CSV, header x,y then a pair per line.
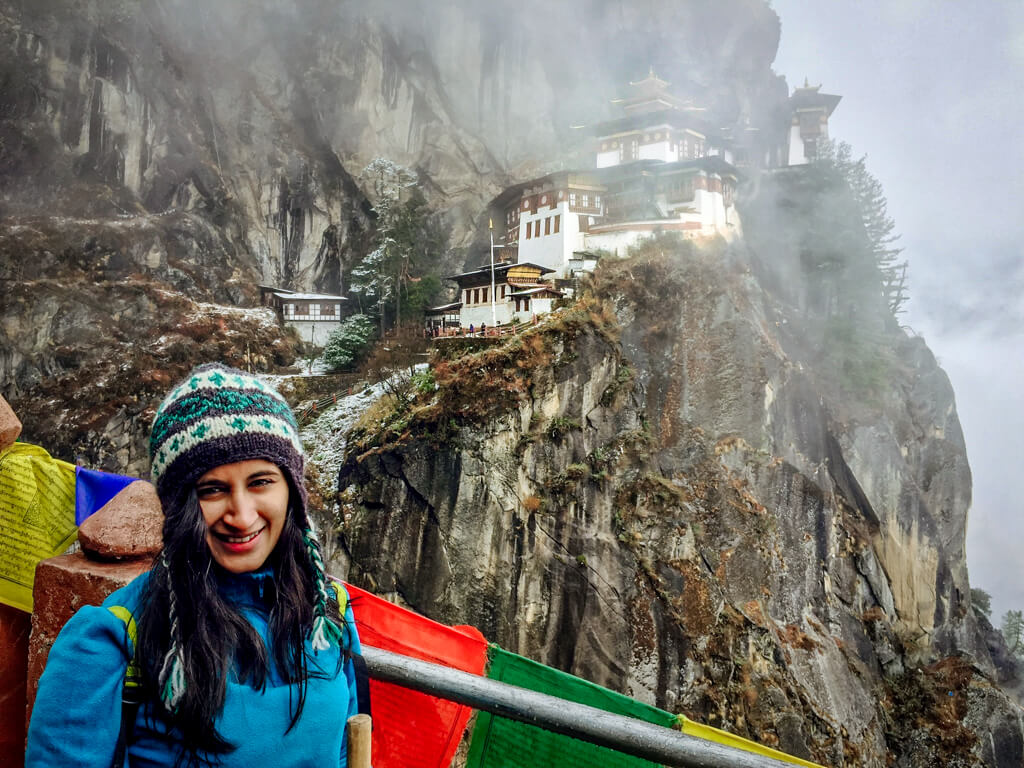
x,y
220,415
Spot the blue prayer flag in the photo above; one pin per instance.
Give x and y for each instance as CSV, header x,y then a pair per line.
x,y
93,489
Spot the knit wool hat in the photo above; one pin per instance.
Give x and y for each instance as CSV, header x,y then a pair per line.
x,y
220,415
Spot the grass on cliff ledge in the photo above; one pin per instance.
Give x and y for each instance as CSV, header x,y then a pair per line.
x,y
480,386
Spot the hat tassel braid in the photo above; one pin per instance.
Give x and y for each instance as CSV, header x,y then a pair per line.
x,y
325,631
172,672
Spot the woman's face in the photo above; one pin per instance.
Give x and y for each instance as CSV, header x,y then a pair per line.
x,y
244,505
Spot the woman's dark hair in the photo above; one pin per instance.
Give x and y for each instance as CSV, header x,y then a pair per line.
x,y
216,640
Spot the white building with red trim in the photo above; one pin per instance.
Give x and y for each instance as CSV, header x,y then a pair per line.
x,y
658,168
811,110
510,293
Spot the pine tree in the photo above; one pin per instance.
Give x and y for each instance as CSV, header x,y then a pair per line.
x,y
379,277
1013,632
878,225
348,343
409,242
982,602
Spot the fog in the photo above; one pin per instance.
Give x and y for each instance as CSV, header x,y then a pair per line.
x,y
931,95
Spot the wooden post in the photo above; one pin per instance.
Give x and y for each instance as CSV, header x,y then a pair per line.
x,y
359,728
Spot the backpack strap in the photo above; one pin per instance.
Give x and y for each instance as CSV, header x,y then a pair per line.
x,y
131,690
358,662
341,594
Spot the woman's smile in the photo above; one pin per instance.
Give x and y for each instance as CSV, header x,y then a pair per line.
x,y
236,541
244,507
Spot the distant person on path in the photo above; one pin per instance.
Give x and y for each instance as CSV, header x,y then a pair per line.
x,y
471,329
243,651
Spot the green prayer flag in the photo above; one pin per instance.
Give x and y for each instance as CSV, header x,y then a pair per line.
x,y
502,743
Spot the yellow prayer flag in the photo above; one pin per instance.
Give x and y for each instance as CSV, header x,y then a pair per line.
x,y
708,733
37,517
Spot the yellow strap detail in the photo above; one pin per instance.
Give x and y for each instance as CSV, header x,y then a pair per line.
x,y
342,596
133,674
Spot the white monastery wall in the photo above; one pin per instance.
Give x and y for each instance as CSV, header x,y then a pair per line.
x,y
657,151
796,147
480,314
608,159
314,332
552,250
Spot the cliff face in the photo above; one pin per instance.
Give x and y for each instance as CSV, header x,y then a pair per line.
x,y
702,494
205,148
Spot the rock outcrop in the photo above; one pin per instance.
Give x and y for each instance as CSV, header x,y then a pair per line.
x,y
713,511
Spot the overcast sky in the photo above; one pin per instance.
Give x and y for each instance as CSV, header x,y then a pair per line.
x,y
932,95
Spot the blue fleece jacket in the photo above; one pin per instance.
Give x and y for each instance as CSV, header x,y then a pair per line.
x,y
77,713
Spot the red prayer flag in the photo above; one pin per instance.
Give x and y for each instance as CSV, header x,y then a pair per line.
x,y
412,729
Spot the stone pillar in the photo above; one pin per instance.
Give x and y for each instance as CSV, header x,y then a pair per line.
x,y
63,585
118,543
14,629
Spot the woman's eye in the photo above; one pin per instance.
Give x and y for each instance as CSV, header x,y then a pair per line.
x,y
207,491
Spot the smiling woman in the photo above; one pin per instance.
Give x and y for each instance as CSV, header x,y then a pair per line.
x,y
243,652
244,507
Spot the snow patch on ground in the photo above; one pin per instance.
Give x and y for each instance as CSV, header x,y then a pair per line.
x,y
324,437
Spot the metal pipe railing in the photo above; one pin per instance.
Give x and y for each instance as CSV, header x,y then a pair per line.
x,y
627,735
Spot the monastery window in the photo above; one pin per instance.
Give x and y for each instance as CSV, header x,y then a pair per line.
x,y
504,288
572,199
586,201
597,201
547,226
557,220
536,228
543,199
289,309
483,295
528,230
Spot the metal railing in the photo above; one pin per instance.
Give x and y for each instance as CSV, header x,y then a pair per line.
x,y
627,735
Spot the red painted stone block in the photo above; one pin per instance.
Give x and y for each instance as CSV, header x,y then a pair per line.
x,y
10,427
63,585
128,526
14,630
